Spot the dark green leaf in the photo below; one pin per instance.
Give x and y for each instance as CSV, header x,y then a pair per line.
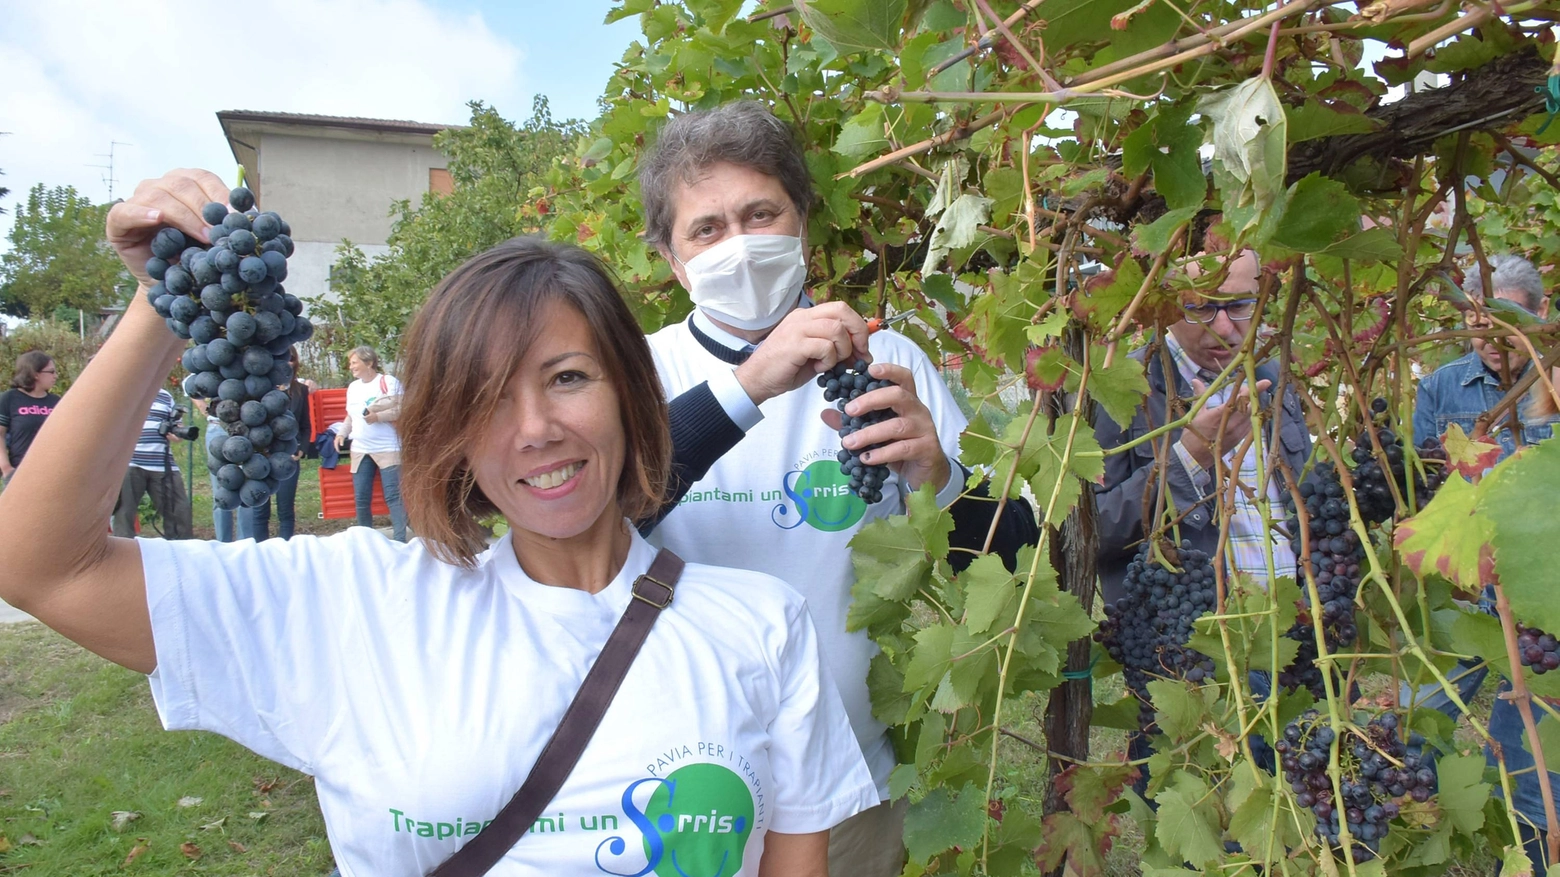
x,y
1311,120
941,821
1154,238
1511,498
863,134
988,591
1320,209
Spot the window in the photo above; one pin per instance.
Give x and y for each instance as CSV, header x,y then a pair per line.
x,y
439,181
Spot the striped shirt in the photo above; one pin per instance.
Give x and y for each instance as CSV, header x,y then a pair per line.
x,y
151,451
1244,550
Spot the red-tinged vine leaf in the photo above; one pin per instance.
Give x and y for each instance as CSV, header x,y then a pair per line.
x,y
1516,502
1447,537
136,852
1466,456
1071,840
190,850
1045,368
1108,294
1089,790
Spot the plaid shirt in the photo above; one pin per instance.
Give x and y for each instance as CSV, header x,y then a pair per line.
x,y
1244,549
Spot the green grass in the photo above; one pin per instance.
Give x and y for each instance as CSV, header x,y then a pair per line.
x,y
79,740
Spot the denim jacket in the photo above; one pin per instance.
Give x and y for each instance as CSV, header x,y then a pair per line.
x,y
1459,392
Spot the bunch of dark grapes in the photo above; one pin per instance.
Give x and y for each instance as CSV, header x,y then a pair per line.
x,y
1375,772
1336,558
1537,650
1371,490
841,384
229,300
1146,631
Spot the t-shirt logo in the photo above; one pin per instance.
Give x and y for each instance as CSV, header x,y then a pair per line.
x,y
696,824
819,496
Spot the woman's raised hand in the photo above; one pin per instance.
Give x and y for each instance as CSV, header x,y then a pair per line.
x,y
174,199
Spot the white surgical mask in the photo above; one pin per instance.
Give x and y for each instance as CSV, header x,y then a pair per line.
x,y
749,281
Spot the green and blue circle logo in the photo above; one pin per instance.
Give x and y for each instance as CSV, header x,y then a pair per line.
x,y
820,497
696,824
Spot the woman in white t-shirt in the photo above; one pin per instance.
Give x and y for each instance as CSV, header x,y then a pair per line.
x,y
375,446
418,682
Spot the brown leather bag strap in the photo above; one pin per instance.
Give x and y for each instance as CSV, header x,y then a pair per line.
x,y
652,592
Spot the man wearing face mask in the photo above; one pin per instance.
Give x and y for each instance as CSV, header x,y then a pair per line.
x,y
725,194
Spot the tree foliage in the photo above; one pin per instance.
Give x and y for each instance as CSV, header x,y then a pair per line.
x,y
58,257
496,166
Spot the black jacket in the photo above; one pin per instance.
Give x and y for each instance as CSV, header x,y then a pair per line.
x,y
1132,479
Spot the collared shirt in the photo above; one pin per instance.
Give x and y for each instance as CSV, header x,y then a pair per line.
x,y
1247,534
1464,389
152,452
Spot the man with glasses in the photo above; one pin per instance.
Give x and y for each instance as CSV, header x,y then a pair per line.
x,y
1194,463
1460,392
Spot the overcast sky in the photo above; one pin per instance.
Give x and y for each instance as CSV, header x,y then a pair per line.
x,y
77,75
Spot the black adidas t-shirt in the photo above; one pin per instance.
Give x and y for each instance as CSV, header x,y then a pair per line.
x,y
22,416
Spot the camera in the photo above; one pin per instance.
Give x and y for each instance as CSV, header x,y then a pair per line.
x,y
176,428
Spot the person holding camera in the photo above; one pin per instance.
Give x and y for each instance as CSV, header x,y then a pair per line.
x,y
373,401
152,471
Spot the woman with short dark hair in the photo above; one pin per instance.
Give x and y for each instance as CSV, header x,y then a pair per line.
x,y
419,682
25,407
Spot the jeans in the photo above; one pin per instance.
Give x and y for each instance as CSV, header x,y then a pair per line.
x,y
221,519
363,494
255,523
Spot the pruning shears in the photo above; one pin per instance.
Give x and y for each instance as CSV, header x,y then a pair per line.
x,y
877,323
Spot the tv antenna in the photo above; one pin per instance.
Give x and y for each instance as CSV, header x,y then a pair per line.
x,y
108,176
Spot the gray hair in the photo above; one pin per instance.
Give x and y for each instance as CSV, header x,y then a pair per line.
x,y
366,355
1508,273
743,133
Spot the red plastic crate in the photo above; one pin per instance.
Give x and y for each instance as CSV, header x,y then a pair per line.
x,y
327,407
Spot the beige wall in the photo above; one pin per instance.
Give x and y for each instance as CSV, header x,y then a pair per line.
x,y
329,189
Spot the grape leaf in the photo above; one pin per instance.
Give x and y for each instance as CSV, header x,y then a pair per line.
x,y
1188,825
931,524
1249,134
988,590
862,25
1466,456
863,134
1446,537
1089,790
1461,790
1319,210
1515,863
956,227
1177,710
1548,738
931,656
1513,500
1154,238
1311,120
1119,389
1070,839
888,556
940,821
1371,245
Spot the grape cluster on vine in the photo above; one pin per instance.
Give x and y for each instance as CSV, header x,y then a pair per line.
x,y
1537,650
1146,631
1372,491
1336,557
1375,772
229,300
842,384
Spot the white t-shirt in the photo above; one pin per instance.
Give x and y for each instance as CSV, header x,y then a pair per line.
x,y
777,503
419,695
372,438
